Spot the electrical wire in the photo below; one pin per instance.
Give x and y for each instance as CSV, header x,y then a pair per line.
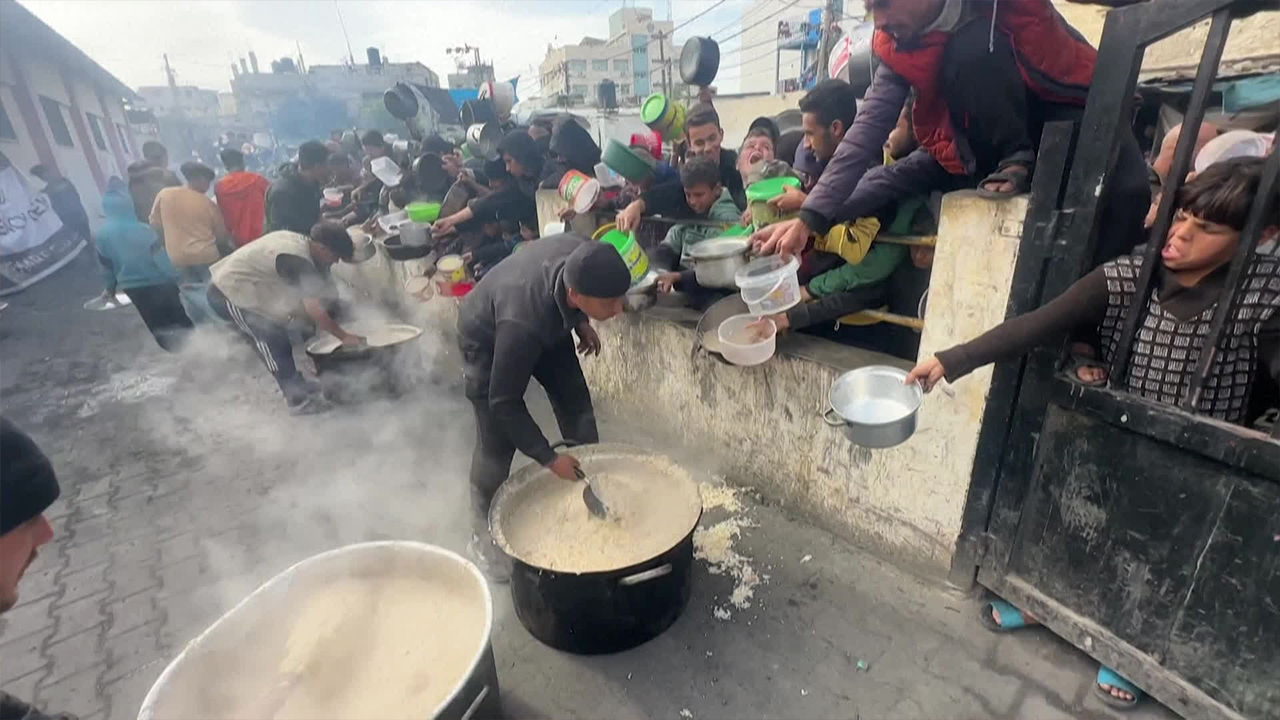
x,y
763,20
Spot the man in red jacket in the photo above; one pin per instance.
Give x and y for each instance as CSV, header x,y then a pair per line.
x,y
242,197
986,76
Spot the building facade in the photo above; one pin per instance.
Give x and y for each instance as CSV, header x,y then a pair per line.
x,y
776,49
60,108
637,53
258,96
190,101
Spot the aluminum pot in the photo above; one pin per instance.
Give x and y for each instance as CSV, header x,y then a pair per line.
x,y
716,261
182,688
606,611
873,406
643,295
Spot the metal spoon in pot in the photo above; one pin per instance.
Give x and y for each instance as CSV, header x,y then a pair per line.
x,y
595,505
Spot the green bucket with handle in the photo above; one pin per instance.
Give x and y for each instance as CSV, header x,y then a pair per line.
x,y
626,245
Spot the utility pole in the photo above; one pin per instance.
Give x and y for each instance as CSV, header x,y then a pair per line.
x,y
662,62
825,40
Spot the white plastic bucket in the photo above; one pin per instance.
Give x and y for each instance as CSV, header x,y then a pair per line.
x,y
769,285
747,340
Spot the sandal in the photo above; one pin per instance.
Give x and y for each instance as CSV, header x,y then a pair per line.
x,y
1005,172
1075,363
1011,618
1107,676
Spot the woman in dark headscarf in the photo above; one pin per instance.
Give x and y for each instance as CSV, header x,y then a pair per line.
x,y
571,149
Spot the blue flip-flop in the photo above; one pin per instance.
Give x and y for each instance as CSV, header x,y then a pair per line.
x,y
1010,617
1108,676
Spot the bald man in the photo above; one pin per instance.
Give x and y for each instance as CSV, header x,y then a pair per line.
x,y
1164,159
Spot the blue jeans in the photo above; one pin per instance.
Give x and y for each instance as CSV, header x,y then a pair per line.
x,y
193,287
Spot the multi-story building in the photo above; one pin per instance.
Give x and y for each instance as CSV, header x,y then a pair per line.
x,y
190,101
779,42
259,95
637,55
471,76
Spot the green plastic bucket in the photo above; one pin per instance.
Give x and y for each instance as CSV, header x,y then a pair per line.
x,y
626,245
761,192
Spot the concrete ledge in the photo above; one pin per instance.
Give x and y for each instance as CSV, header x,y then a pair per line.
x,y
762,425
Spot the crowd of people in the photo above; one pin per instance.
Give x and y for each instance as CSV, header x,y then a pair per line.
x,y
861,166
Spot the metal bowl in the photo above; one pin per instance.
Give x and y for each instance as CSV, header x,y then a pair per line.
x,y
873,406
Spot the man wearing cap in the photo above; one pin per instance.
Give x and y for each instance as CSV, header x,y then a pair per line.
x,y
282,276
28,487
515,325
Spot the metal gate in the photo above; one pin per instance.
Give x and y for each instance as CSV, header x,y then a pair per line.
x,y
1145,535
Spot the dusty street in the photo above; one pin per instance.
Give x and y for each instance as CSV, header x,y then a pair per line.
x,y
185,484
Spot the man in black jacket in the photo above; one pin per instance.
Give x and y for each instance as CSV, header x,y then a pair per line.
x,y
28,487
293,200
515,325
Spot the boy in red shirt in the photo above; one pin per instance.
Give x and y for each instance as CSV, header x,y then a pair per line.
x,y
242,197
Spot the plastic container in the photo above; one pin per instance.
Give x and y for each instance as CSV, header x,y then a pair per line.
x,y
747,340
390,221
760,193
332,197
451,268
769,284
663,116
626,245
579,190
607,177
423,212
386,170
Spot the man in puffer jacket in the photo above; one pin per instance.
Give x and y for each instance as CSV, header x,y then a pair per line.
x,y
987,75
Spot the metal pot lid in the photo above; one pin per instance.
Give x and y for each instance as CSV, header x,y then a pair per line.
x,y
383,336
875,395
541,520
717,248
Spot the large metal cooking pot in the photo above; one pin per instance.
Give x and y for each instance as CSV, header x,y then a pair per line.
x,y
212,673
716,261
600,611
381,368
873,406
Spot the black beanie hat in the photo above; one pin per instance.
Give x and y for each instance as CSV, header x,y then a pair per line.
x,y
597,270
27,483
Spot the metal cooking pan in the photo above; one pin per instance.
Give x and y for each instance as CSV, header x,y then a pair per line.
x,y
699,61
605,611
722,310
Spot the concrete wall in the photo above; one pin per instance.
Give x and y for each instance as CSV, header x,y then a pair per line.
x,y
761,426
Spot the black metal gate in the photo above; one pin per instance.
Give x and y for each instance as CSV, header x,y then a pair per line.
x,y
1145,535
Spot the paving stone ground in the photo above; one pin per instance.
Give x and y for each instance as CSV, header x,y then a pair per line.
x,y
186,485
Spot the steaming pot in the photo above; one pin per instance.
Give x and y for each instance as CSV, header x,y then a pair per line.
x,y
382,368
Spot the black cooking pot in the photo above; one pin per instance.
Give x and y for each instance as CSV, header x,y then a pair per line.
x,y
477,112
699,61
596,612
352,375
400,101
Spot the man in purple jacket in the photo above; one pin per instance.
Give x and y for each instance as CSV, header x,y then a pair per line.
x,y
986,77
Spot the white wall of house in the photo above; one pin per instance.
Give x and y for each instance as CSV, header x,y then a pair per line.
x,y
51,92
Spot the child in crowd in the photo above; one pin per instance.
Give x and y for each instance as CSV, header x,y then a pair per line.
x,y
513,233
1190,281
709,200
134,262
